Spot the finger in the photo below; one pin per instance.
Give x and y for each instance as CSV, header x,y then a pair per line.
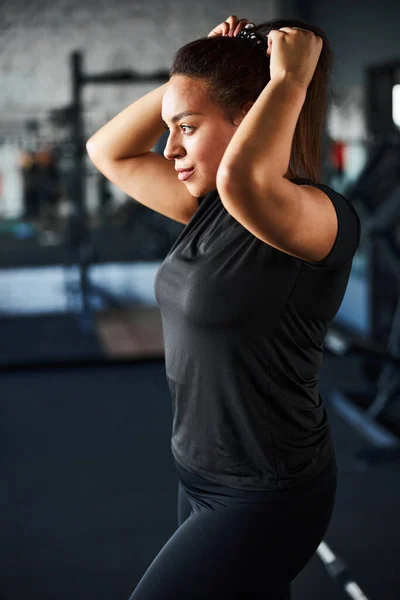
x,y
232,21
275,32
225,28
294,29
241,25
230,27
220,30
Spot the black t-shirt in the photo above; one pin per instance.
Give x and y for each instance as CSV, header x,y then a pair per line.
x,y
243,326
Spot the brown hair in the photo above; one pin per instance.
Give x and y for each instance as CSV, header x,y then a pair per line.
x,y
235,73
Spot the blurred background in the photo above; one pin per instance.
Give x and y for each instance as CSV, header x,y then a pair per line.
x,y
89,487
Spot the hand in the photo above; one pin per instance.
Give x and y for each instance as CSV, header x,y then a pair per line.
x,y
294,53
231,27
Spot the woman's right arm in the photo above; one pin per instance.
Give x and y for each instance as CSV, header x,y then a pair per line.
x,y
122,151
133,131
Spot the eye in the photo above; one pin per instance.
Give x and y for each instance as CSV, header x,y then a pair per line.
x,y
188,126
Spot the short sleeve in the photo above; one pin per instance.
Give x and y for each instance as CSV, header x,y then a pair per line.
x,y
349,231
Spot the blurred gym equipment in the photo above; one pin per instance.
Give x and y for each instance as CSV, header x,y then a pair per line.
x,y
82,292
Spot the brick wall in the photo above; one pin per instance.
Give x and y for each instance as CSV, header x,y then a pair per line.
x,y
37,37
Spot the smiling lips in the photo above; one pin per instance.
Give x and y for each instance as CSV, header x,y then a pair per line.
x,y
183,175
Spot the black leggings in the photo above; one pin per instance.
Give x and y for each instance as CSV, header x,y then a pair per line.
x,y
239,544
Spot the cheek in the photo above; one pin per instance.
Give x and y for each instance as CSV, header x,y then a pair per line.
x,y
210,151
201,148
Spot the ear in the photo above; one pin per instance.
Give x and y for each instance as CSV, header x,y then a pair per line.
x,y
243,111
246,107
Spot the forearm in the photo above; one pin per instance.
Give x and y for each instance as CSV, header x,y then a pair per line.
x,y
133,131
261,145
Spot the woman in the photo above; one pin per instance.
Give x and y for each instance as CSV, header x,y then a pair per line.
x,y
247,294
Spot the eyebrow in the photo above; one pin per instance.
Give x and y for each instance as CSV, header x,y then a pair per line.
x,y
185,113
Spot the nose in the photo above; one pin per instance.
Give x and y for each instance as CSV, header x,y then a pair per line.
x,y
171,151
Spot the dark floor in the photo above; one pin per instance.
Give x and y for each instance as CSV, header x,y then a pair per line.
x,y
90,491
43,338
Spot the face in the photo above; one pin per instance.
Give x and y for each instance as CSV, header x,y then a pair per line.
x,y
196,141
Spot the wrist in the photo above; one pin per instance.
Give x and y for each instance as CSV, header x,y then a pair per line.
x,y
290,80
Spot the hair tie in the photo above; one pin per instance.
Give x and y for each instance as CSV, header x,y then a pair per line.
x,y
256,40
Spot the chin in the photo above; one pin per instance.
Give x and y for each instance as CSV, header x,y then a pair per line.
x,y
202,191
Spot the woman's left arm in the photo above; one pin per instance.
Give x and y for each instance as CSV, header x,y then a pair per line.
x,y
262,142
299,220
261,145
